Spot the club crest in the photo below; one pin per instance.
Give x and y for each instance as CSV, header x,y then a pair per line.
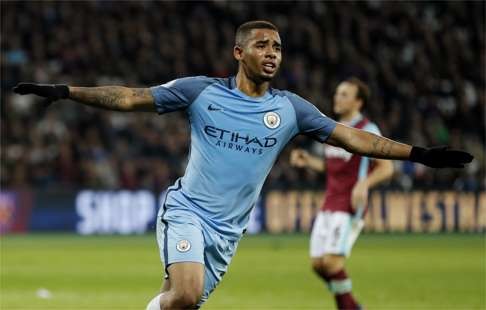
x,y
271,120
183,246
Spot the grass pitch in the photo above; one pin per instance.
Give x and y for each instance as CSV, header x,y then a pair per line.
x,y
62,271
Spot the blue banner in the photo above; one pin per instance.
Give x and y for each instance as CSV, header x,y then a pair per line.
x,y
125,212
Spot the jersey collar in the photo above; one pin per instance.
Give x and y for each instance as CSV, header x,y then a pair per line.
x,y
232,86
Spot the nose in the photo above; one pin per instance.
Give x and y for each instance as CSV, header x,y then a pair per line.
x,y
270,53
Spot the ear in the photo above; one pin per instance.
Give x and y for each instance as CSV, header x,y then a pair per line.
x,y
238,52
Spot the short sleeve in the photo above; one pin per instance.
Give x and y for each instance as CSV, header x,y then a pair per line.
x,y
311,121
178,94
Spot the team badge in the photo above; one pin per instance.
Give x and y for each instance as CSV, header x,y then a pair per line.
x,y
183,246
271,120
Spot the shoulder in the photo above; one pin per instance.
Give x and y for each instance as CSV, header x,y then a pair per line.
x,y
309,119
186,88
180,93
197,82
300,105
292,97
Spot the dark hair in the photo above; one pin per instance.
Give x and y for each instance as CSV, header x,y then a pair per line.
x,y
363,89
244,29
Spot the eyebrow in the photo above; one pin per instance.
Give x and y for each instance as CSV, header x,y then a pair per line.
x,y
266,41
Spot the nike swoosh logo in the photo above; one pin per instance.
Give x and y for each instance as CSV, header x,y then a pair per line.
x,y
212,108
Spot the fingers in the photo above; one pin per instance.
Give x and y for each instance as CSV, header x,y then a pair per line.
x,y
301,154
50,92
461,156
31,88
23,88
294,155
358,201
298,158
457,159
444,157
296,152
295,160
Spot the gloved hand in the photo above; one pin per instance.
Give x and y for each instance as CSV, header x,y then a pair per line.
x,y
51,92
440,157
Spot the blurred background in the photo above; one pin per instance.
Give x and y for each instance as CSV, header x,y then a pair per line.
x,y
76,170
424,62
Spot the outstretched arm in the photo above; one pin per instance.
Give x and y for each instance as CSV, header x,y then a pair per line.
x,y
368,144
364,143
115,98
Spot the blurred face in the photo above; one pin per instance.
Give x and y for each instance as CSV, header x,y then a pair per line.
x,y
345,99
260,55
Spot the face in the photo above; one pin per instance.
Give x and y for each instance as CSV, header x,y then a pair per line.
x,y
345,99
261,54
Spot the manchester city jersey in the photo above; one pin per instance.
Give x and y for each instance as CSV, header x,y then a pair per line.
x,y
235,140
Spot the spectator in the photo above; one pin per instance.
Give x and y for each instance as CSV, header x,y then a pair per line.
x,y
425,89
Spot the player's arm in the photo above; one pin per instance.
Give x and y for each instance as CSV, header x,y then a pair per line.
x,y
302,159
382,172
367,144
117,98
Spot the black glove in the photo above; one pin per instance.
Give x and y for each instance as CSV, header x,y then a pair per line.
x,y
51,92
440,157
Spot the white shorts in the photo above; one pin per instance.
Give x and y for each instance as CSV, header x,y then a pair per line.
x,y
334,233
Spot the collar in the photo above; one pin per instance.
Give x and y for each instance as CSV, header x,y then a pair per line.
x,y
358,118
232,86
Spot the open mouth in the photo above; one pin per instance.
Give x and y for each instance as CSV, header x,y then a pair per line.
x,y
269,67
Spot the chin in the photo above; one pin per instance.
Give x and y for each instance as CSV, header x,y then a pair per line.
x,y
261,77
266,77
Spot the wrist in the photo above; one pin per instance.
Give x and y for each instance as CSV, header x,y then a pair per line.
x,y
366,183
62,90
417,154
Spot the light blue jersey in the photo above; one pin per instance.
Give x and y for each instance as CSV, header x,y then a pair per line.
x,y
235,140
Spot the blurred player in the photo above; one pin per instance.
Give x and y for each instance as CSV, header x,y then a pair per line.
x,y
339,221
239,125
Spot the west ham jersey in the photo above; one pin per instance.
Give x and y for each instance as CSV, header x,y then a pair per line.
x,y
343,169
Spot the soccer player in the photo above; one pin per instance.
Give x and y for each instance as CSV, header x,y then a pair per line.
x,y
339,221
239,125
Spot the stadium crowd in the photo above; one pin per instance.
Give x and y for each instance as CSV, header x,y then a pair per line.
x,y
424,62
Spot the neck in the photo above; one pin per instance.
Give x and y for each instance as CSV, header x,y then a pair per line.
x,y
250,87
348,116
